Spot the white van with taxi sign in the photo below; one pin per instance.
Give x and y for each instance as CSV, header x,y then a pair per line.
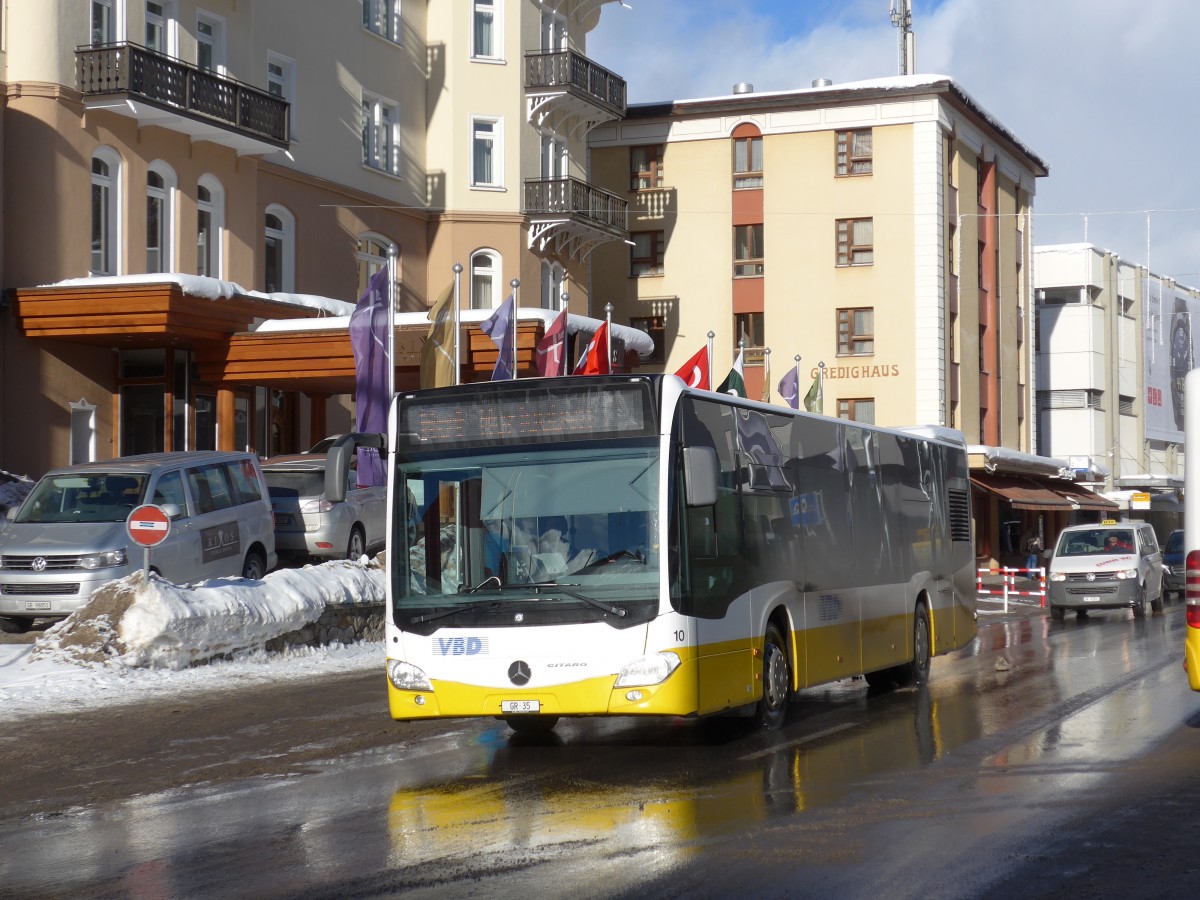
x,y
1112,565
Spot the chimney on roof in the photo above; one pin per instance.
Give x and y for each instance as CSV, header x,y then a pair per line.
x,y
743,87
821,82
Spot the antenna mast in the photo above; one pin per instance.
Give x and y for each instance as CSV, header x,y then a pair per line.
x,y
901,11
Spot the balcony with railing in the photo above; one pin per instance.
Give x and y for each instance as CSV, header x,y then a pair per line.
x,y
566,91
571,217
161,90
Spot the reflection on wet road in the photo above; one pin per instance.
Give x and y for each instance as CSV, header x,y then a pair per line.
x,y
857,793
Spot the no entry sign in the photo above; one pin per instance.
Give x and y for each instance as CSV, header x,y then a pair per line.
x,y
148,525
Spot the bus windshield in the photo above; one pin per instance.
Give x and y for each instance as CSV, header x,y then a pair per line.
x,y
573,526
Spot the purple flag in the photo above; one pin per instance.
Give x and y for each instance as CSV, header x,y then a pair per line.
x,y
789,387
369,341
499,327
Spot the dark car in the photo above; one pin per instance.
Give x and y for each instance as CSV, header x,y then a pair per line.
x,y
1173,566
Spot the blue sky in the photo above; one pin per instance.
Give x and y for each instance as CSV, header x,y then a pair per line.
x,y
1104,91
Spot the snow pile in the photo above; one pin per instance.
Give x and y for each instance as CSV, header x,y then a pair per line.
x,y
139,623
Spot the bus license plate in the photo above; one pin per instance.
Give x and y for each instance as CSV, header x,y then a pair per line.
x,y
37,604
1091,599
520,706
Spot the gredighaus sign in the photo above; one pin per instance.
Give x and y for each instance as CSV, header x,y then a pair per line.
x,y
835,372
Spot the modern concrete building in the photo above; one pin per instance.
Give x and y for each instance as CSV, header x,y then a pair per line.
x,y
1114,341
278,156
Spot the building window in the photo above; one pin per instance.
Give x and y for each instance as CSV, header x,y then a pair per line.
x,y
279,250
281,83
747,163
83,432
210,43
160,216
646,254
747,250
861,410
855,242
856,331
382,17
485,29
159,33
553,278
107,21
645,167
373,250
748,330
485,279
485,152
106,170
656,328
210,223
854,152
380,119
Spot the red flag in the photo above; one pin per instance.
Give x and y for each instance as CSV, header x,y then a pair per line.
x,y
552,348
695,371
595,359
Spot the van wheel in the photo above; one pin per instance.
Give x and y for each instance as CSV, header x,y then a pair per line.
x,y
1157,603
14,625
255,567
917,671
777,681
1058,614
1139,603
357,546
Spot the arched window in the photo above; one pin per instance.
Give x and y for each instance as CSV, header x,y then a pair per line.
x,y
373,256
106,226
210,226
160,218
485,279
553,285
279,250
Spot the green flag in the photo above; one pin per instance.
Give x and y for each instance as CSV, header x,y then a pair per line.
x,y
814,400
734,383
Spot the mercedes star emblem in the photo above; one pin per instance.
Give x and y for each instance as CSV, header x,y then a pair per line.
x,y
518,673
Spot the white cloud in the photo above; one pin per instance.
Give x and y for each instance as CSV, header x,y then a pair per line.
x,y
1100,91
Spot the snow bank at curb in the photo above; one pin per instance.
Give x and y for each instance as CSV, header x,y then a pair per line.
x,y
138,623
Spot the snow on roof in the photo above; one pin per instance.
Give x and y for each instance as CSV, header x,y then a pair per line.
x,y
212,289
137,639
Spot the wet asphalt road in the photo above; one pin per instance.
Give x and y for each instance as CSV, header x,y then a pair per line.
x,y
1046,760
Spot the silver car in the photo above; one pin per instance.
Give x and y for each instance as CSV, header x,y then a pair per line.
x,y
308,524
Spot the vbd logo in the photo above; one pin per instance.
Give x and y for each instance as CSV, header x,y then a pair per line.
x,y
459,646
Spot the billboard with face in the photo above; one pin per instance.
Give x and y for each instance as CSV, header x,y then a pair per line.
x,y
1168,355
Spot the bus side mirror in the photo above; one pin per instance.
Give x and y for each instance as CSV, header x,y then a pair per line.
x,y
338,458
700,471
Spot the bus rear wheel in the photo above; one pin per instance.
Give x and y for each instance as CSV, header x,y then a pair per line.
x,y
917,671
777,681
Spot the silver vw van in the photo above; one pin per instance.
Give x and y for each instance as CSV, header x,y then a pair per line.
x,y
68,538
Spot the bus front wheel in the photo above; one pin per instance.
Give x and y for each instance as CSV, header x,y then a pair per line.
x,y
777,681
917,671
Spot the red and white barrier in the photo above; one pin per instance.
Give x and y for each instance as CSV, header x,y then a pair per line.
x,y
1008,584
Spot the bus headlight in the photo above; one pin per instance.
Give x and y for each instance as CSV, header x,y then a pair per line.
x,y
407,677
648,670
106,560
1128,573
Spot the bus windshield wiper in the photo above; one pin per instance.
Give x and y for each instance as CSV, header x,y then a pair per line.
x,y
590,601
449,611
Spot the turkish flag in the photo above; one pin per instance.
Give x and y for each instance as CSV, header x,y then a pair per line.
x,y
695,371
595,359
552,348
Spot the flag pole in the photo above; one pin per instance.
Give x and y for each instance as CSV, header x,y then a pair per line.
x,y
608,309
515,284
563,353
458,268
711,336
766,391
391,333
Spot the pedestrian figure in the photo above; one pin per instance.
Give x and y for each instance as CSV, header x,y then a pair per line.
x,y
1033,550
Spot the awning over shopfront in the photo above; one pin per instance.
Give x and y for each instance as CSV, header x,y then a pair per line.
x,y
1030,492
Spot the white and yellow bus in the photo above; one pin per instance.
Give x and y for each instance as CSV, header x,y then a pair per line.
x,y
624,545
1191,526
